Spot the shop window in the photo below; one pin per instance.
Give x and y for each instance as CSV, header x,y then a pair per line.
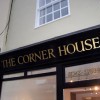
x,y
51,10
39,88
83,72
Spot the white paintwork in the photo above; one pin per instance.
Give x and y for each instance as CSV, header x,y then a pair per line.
x,y
22,31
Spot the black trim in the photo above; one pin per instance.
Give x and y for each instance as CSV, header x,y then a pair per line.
x,y
59,82
30,76
81,61
0,84
85,83
42,67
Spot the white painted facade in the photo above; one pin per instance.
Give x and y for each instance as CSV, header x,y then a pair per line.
x,y
22,31
5,6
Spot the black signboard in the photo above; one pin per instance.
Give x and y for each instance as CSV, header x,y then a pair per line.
x,y
81,44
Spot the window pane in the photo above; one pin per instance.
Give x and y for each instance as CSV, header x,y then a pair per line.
x,y
49,9
48,1
41,3
64,3
42,12
64,11
42,20
56,6
41,71
55,0
40,88
49,17
57,15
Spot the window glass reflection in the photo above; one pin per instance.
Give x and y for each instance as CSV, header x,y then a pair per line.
x,y
42,20
49,17
41,3
64,11
41,88
57,15
49,9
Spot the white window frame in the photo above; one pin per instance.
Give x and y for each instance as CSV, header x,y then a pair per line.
x,y
38,12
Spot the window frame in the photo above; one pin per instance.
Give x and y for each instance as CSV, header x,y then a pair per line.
x,y
37,19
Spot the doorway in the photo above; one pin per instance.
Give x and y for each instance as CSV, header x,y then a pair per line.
x,y
83,93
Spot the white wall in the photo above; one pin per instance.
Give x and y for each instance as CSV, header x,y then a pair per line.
x,y
4,15
84,14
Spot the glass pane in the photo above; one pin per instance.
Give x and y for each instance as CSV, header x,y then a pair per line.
x,y
13,75
57,15
49,17
48,1
41,3
40,88
41,71
49,9
56,6
64,11
42,20
42,12
83,72
64,3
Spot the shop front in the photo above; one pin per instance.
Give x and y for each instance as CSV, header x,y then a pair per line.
x,y
63,68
